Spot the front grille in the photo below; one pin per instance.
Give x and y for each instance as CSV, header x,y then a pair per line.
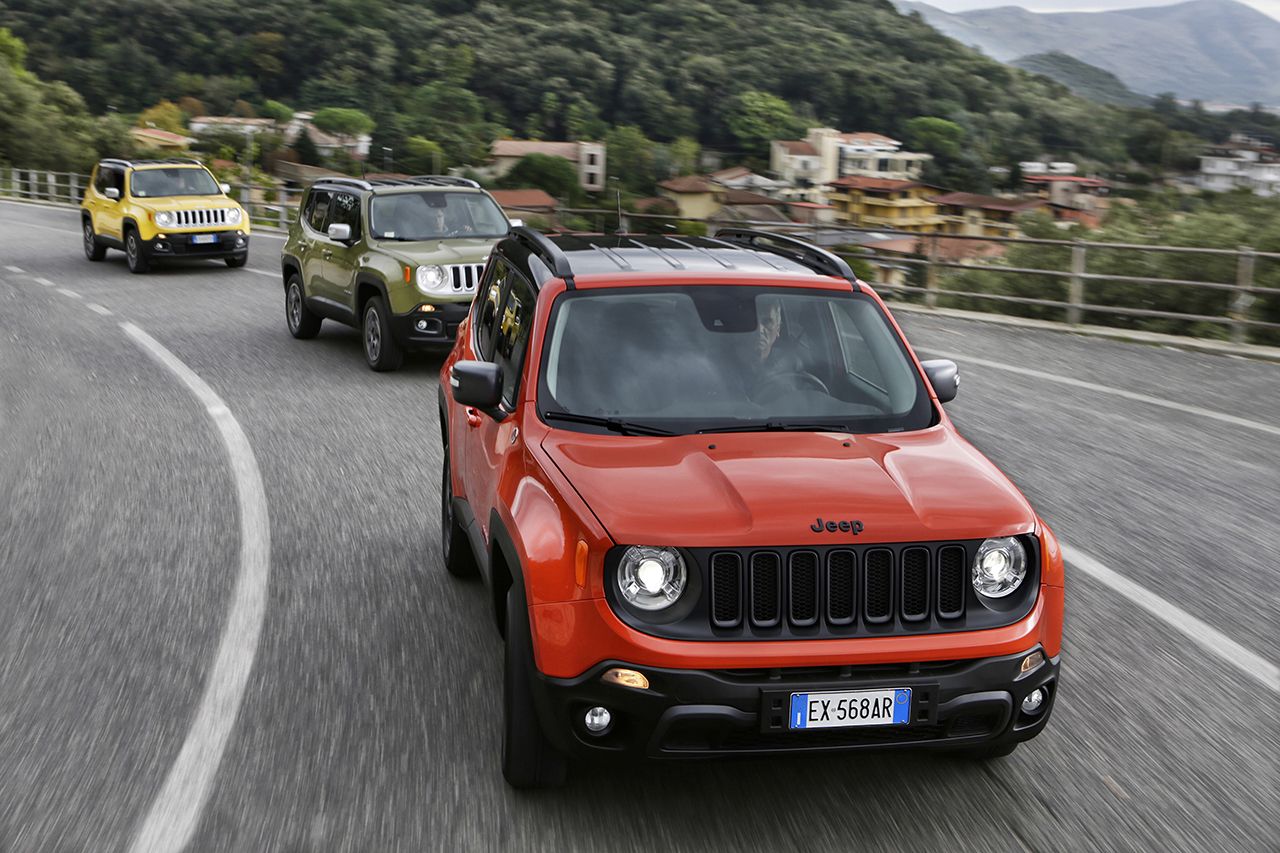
x,y
199,218
464,277
845,591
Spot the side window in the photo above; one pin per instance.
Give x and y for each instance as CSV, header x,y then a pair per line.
x,y
345,210
488,302
317,210
512,339
100,179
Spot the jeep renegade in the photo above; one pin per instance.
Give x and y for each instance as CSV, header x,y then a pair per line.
x,y
155,209
397,259
719,510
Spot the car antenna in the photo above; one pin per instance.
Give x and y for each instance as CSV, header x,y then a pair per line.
x,y
620,230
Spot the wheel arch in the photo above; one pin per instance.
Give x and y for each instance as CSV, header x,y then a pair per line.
x,y
289,265
367,287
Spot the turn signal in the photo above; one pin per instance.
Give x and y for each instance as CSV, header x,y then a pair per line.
x,y
580,564
1032,661
408,275
626,678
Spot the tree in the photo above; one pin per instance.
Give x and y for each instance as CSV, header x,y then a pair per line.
x,y
757,118
165,115
556,175
937,136
305,149
683,155
422,157
276,110
630,158
43,125
342,120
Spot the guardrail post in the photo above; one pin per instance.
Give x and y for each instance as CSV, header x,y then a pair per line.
x,y
1242,299
1075,285
931,273
51,185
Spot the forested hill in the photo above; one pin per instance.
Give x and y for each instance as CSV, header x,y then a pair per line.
x,y
560,68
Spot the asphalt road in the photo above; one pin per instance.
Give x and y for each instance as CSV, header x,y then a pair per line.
x,y
371,715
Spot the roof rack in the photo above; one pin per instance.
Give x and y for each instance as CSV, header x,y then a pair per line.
x,y
171,161
347,182
551,254
446,181
819,260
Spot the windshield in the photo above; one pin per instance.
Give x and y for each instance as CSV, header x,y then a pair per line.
x,y
435,216
714,358
153,183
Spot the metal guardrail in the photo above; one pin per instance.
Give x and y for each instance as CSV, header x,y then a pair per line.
x,y
1237,309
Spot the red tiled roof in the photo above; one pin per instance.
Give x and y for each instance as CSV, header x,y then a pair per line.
x,y
798,148
1071,179
986,202
521,147
808,204
730,173
747,197
863,136
160,135
524,198
644,205
688,184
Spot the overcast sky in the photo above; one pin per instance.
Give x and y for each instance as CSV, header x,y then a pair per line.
x,y
1270,7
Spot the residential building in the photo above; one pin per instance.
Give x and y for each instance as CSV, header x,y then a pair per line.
x,y
588,157
523,204
326,143
155,139
826,154
1244,162
884,203
1074,191
742,178
1038,167
695,196
201,125
974,215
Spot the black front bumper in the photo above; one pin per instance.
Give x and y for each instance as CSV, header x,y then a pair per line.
x,y
429,329
229,244
697,713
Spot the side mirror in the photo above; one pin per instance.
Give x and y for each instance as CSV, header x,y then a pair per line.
x,y
112,193
516,223
477,384
340,233
226,188
944,376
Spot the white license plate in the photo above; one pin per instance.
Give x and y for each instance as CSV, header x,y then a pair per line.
x,y
204,238
840,709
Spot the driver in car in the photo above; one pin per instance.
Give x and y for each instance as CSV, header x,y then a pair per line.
x,y
777,355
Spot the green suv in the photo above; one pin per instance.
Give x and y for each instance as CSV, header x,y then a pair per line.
x,y
397,259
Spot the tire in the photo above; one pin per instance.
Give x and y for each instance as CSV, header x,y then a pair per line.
x,y
138,261
237,261
303,323
93,250
455,550
528,758
380,348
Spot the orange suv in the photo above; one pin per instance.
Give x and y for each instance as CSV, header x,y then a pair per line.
x,y
720,510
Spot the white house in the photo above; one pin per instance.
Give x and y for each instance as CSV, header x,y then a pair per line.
x,y
1241,163
327,143
826,155
588,157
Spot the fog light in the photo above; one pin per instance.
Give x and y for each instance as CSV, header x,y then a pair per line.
x,y
1032,704
626,678
426,309
1032,661
421,325
598,719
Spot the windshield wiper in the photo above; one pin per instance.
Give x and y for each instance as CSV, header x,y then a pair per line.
x,y
778,426
617,425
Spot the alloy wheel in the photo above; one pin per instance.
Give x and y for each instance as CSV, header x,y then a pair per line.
x,y
372,335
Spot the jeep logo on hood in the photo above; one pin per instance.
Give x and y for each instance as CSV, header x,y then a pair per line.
x,y
854,527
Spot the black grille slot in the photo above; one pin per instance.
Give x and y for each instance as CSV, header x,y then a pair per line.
x,y
877,595
915,584
802,596
951,581
766,589
841,583
726,590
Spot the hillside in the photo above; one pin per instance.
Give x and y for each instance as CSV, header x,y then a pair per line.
x,y
1217,50
456,71
1087,81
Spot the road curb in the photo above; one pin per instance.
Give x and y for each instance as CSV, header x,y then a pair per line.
x,y
1256,352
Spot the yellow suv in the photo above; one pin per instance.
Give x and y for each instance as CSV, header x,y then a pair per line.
x,y
161,209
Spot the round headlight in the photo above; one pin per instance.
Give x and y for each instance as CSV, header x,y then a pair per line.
x,y
234,215
431,279
651,578
999,568
165,219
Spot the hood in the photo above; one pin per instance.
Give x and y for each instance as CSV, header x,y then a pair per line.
x,y
188,202
456,250
746,489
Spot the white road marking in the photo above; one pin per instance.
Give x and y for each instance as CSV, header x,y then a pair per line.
x,y
18,270
176,810
1207,637
70,293
263,272
98,309
45,282
962,360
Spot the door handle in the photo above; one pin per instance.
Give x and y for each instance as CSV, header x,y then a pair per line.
x,y
473,417
328,253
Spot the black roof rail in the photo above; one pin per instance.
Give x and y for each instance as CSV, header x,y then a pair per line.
x,y
811,256
446,181
347,182
551,254
116,161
